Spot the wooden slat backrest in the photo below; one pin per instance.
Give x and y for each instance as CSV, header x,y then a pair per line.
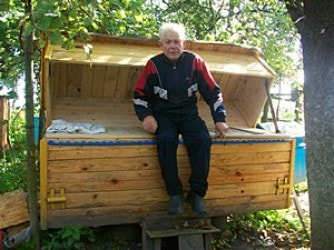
x,y
110,81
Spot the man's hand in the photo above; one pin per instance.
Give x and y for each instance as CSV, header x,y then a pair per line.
x,y
150,125
221,129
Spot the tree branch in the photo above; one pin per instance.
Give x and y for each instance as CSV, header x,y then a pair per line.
x,y
296,11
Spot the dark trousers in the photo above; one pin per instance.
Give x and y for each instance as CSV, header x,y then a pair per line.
x,y
198,142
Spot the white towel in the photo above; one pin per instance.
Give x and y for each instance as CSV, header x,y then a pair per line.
x,y
60,125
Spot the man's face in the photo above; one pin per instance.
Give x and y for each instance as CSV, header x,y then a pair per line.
x,y
172,46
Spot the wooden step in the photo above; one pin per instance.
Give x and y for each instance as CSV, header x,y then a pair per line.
x,y
193,233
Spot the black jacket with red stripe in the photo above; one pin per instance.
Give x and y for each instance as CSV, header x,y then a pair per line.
x,y
170,87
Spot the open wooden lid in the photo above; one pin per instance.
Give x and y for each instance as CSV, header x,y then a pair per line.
x,y
219,57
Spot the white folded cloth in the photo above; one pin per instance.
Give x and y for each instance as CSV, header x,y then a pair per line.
x,y
60,125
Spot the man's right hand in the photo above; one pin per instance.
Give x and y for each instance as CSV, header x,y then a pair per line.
x,y
150,125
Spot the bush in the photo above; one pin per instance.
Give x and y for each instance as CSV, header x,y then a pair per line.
x,y
13,160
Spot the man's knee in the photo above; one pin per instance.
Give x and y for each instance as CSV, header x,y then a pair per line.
x,y
165,136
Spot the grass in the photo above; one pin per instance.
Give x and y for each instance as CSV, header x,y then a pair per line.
x,y
278,229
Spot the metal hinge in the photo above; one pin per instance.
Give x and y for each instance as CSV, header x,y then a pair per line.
x,y
282,186
57,200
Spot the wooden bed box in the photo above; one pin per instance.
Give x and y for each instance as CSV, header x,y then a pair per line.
x,y
114,177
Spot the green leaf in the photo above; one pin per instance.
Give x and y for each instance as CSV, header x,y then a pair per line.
x,y
44,23
55,37
42,43
4,5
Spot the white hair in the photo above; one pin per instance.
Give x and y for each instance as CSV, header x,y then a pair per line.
x,y
172,27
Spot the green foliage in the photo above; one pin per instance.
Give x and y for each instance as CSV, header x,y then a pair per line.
x,y
11,55
301,187
68,238
13,162
62,21
261,24
281,228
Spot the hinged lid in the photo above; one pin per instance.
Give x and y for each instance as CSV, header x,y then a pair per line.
x,y
220,58
115,63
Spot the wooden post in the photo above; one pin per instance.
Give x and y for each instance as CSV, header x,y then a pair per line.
x,y
4,120
266,84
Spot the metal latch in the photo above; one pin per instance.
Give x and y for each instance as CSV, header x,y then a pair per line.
x,y
57,200
282,186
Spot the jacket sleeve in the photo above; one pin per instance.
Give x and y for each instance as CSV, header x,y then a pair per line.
x,y
210,91
143,92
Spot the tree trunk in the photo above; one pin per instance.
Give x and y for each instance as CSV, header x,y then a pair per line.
x,y
317,30
31,157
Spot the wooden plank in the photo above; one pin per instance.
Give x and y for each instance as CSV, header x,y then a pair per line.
x,y
245,146
239,171
100,216
96,152
54,81
250,98
192,242
109,182
86,81
250,157
73,84
215,203
13,209
63,79
123,198
244,178
131,54
134,73
250,207
43,174
178,232
116,163
112,176
234,190
111,83
133,179
120,199
93,217
46,89
99,165
114,185
91,152
121,90
4,117
99,77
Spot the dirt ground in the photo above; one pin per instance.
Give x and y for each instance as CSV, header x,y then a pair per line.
x,y
241,242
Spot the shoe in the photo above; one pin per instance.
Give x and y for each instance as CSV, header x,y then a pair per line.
x,y
176,204
197,204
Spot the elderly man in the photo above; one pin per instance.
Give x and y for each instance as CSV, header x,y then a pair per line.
x,y
166,103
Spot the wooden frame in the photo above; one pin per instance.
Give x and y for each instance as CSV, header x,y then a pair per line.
x,y
114,177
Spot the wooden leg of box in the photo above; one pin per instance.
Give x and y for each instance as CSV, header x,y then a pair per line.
x,y
147,242
191,242
220,222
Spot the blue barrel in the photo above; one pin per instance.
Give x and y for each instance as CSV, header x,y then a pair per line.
x,y
36,129
300,160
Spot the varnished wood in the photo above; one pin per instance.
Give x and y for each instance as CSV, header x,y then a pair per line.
x,y
118,179
13,208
